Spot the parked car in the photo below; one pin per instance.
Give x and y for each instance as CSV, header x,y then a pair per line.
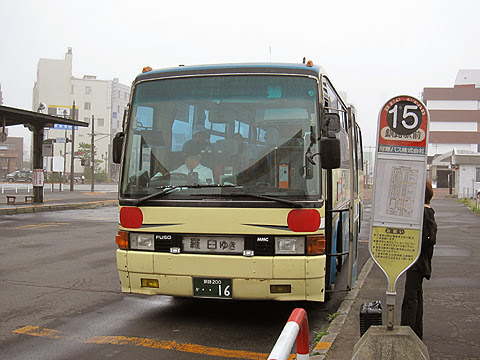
x,y
20,175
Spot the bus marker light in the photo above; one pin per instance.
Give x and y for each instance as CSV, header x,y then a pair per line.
x,y
316,245
280,289
303,220
131,217
122,240
150,283
146,69
309,63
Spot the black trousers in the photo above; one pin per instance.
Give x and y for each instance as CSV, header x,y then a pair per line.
x,y
412,306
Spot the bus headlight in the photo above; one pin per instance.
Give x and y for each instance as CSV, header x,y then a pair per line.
x,y
292,245
140,241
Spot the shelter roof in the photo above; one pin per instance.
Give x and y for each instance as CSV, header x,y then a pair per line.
x,y
13,116
466,159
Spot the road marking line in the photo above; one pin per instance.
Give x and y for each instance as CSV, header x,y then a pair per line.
x,y
36,331
35,226
172,345
150,343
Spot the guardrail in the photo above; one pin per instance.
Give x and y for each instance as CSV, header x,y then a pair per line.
x,y
16,187
295,329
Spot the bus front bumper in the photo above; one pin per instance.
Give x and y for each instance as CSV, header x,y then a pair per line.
x,y
283,278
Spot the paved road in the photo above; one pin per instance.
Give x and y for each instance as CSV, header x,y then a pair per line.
x,y
61,300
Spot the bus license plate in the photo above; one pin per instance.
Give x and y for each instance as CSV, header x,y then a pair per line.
x,y
212,288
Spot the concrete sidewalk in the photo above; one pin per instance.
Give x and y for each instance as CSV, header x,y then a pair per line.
x,y
80,198
451,298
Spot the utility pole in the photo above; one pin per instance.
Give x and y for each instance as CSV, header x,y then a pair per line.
x,y
72,170
65,158
92,164
62,174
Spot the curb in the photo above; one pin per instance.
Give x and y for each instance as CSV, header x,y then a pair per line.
x,y
321,349
57,207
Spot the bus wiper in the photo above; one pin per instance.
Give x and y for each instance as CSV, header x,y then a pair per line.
x,y
257,196
166,190
169,188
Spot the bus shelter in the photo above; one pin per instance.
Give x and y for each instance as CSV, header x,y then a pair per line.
x,y
36,122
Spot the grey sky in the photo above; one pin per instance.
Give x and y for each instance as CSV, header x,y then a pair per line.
x,y
372,50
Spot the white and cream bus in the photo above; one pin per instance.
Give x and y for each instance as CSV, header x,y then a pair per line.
x,y
239,181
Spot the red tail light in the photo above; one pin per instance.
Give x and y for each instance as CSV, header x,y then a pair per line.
x,y
304,220
131,217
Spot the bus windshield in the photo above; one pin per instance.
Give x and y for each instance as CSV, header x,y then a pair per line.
x,y
228,132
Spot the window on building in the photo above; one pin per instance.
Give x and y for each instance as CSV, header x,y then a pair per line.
x,y
87,106
100,122
88,90
477,176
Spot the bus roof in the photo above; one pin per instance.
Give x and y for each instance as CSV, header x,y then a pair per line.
x,y
240,68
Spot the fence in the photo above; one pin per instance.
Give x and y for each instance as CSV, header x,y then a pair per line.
x,y
16,187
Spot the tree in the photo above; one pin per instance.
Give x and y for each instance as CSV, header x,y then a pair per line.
x,y
86,150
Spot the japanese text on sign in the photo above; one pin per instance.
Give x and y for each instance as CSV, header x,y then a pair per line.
x,y
394,244
401,196
394,249
209,245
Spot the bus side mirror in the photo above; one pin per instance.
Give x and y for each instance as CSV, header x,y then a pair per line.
x,y
331,122
330,153
330,149
117,146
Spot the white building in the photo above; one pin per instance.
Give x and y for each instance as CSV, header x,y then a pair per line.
x,y
467,171
454,125
105,100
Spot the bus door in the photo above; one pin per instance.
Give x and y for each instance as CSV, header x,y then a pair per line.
x,y
354,208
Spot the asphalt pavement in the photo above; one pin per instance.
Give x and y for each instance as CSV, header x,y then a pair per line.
x,y
451,297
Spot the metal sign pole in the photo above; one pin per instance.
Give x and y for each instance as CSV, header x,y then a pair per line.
x,y
92,163
72,156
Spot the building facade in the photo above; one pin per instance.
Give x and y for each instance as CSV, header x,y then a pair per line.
x,y
11,155
467,171
103,101
454,125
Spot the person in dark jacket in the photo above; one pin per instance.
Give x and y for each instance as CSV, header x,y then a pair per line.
x,y
412,306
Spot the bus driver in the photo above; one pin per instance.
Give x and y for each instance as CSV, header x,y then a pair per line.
x,y
192,165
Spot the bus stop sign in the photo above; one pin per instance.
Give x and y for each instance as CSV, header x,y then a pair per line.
x,y
403,127
399,188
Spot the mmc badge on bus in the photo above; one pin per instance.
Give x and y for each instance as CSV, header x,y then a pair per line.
x,y
212,288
